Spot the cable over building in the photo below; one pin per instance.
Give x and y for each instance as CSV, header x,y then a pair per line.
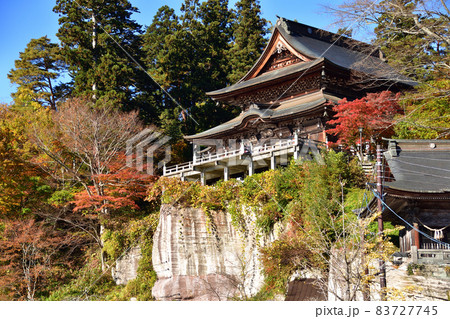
x,y
416,194
286,101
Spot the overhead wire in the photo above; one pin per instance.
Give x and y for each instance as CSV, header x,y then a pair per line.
x,y
177,103
427,158
420,165
137,63
409,224
365,197
320,56
421,173
391,179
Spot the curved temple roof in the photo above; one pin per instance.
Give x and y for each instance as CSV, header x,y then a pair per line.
x,y
320,45
298,105
315,48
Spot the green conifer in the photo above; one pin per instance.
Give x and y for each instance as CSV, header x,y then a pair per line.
x,y
250,31
95,35
36,73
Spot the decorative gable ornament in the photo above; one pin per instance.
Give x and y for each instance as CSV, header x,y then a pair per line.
x,y
280,47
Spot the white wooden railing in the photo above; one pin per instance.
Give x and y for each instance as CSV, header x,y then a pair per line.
x,y
212,157
180,168
434,246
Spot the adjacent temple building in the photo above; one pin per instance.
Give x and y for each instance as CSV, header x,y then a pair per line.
x,y
417,195
286,100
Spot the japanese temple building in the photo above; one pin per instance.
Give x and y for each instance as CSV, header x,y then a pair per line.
x,y
286,101
416,194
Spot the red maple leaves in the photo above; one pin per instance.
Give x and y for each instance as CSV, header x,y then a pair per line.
x,y
120,187
374,114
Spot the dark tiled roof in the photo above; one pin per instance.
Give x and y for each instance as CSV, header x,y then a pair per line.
x,y
269,76
421,166
345,52
321,45
297,105
305,290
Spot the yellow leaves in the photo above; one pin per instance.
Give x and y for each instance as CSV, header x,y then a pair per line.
x,y
174,191
25,97
396,294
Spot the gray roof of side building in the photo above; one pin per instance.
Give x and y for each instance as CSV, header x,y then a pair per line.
x,y
421,166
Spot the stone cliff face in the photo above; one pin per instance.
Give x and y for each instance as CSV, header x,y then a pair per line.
x,y
127,266
431,283
204,258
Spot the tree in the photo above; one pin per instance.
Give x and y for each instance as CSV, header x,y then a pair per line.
x,y
122,187
326,240
374,113
249,32
22,183
35,250
156,45
426,112
190,55
36,72
413,34
35,256
85,145
213,39
95,37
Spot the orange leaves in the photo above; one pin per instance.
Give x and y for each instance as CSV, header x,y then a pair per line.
x,y
18,177
27,248
120,187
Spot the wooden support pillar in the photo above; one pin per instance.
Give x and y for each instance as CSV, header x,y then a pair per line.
x,y
203,178
196,150
416,235
296,153
251,168
273,162
414,254
226,173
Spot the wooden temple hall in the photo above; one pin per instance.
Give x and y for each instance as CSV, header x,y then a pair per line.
x,y
416,195
286,101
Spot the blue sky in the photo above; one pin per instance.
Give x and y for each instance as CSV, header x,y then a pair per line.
x,y
23,20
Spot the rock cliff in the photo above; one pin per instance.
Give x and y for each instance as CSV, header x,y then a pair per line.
x,y
127,266
200,256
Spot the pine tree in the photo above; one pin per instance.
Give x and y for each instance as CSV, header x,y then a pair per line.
x,y
94,35
36,73
213,38
190,55
249,38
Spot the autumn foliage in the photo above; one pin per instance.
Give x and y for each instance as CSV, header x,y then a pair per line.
x,y
62,174
31,257
123,186
373,113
